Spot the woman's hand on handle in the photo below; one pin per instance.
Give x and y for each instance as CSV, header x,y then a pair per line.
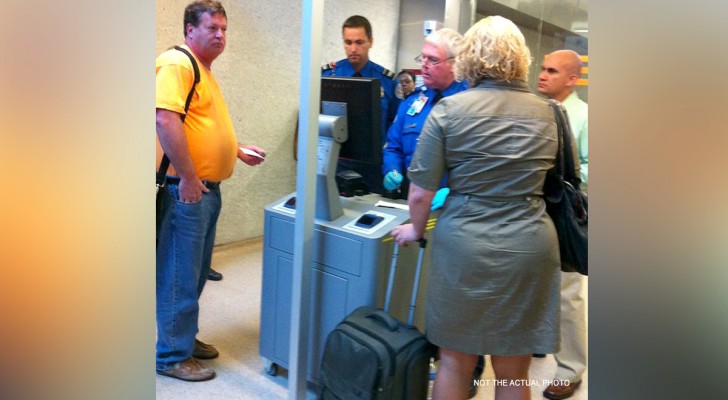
x,y
404,234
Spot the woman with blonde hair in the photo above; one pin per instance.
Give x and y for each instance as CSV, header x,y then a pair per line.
x,y
494,274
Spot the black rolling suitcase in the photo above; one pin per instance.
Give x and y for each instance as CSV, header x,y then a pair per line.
x,y
371,355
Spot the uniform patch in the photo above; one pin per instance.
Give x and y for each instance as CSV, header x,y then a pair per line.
x,y
328,67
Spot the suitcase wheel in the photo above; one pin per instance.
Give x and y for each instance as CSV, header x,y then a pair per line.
x,y
270,367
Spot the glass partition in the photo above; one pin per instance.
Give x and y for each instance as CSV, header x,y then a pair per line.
x,y
548,25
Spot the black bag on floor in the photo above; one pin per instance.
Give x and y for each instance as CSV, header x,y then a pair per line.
x,y
371,355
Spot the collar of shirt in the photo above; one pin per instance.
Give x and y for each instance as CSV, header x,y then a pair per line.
x,y
454,87
345,68
514,84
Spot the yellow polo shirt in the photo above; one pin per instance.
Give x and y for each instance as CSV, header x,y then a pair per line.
x,y
208,127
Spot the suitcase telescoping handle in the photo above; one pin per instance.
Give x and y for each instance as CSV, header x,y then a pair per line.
x,y
390,283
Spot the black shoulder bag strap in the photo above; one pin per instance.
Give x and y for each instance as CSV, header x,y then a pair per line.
x,y
162,173
565,166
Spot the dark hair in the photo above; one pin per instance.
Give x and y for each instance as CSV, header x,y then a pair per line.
x,y
405,72
357,21
195,10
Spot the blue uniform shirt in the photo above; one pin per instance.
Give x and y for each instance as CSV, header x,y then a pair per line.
x,y
370,70
404,132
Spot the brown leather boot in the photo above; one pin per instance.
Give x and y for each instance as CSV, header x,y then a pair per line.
x,y
189,370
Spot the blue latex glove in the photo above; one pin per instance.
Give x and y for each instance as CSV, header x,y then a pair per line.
x,y
439,198
392,180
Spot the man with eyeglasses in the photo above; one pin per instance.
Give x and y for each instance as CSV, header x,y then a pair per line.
x,y
357,34
437,61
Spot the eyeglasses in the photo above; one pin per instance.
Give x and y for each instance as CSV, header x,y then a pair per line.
x,y
422,60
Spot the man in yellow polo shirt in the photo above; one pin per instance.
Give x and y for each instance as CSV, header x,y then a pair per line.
x,y
202,150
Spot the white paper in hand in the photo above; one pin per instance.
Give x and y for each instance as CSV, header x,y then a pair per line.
x,y
251,153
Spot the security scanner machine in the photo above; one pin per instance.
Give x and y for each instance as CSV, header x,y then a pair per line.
x,y
352,247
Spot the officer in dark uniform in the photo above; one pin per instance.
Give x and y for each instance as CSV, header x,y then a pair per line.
x,y
405,131
357,34
437,60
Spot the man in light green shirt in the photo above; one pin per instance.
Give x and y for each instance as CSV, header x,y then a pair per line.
x,y
559,73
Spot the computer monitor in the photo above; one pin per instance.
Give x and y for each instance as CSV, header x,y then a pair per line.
x,y
362,152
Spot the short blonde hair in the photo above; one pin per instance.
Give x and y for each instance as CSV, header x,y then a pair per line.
x,y
493,48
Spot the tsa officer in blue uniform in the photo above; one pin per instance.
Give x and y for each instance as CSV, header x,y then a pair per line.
x,y
437,60
357,35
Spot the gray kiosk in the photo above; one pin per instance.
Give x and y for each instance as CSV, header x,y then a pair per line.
x,y
351,259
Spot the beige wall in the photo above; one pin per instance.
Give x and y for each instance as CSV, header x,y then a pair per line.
x,y
259,76
414,13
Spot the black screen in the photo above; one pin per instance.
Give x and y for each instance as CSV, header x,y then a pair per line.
x,y
362,97
362,151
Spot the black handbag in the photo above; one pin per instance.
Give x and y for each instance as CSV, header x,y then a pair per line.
x,y
566,204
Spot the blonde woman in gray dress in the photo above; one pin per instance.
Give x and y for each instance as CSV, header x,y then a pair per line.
x,y
494,274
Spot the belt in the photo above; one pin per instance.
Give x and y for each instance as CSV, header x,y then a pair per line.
x,y
492,198
173,180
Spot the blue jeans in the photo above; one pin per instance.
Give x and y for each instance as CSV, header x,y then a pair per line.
x,y
185,237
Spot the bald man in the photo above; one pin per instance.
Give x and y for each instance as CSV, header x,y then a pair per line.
x,y
559,73
557,79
